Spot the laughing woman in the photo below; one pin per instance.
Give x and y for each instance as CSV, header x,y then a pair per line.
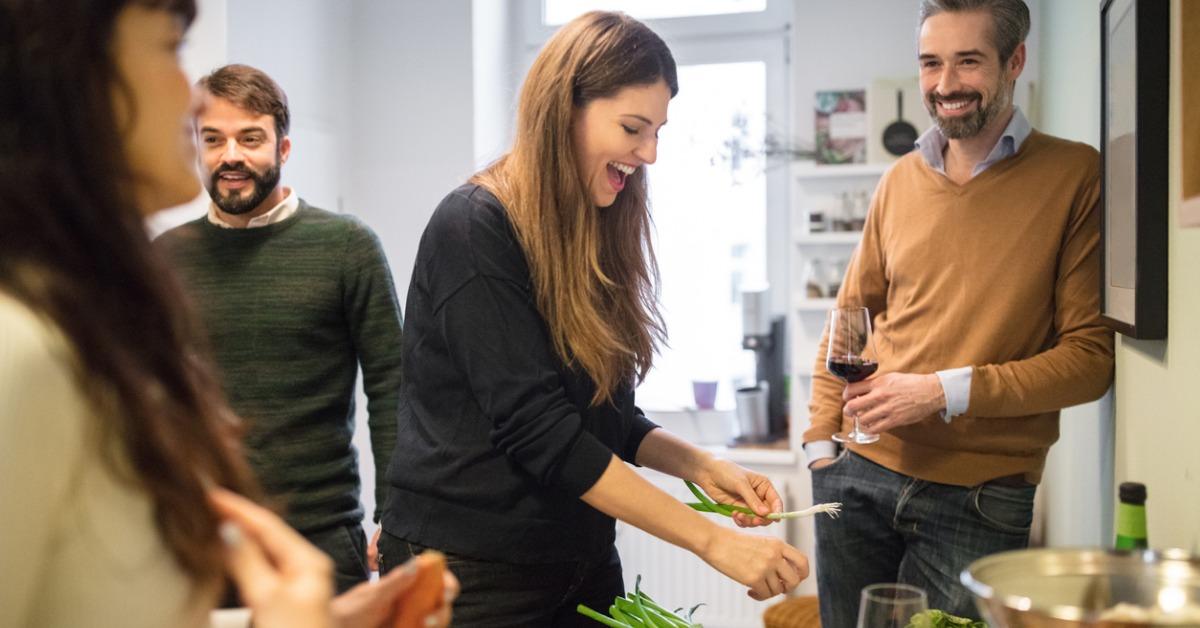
x,y
531,317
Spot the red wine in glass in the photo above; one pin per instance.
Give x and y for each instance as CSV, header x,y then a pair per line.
x,y
851,369
849,337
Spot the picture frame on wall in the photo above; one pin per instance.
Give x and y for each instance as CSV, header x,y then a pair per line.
x,y
1135,54
1189,72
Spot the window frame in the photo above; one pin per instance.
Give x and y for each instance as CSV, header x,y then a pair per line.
x,y
776,17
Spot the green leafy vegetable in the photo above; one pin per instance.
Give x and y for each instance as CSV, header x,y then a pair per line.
x,y
940,619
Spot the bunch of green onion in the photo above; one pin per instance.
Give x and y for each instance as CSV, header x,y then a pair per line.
x,y
639,611
706,504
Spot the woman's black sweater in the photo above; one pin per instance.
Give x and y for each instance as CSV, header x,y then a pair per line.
x,y
497,439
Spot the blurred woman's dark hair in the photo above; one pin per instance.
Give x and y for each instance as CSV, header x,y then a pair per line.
x,y
74,248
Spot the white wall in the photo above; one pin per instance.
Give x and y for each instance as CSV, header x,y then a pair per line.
x,y
496,77
1070,69
412,133
1077,491
409,135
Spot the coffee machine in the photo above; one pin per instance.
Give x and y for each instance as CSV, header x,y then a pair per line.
x,y
764,335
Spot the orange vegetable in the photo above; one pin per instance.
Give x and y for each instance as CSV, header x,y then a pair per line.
x,y
426,595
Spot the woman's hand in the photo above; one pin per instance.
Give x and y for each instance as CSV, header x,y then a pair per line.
x,y
373,604
728,483
286,582
765,564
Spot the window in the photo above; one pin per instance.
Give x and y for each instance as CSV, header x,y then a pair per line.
x,y
556,12
720,213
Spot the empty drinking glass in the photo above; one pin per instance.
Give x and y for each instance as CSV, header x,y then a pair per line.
x,y
890,605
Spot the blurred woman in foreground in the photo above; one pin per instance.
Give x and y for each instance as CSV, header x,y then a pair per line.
x,y
118,454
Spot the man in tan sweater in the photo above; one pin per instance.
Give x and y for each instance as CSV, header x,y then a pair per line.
x,y
979,265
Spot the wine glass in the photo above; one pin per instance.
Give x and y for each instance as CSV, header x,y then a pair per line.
x,y
890,605
849,336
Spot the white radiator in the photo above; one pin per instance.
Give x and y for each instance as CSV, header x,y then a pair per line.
x,y
677,578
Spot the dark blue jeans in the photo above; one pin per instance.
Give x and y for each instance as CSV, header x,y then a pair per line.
x,y
506,594
347,546
894,528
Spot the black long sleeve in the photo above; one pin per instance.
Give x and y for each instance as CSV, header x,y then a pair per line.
x,y
497,439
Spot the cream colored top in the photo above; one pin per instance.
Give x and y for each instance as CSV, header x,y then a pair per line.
x,y
77,547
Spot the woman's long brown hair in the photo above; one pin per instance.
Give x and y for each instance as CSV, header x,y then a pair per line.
x,y
594,273
74,249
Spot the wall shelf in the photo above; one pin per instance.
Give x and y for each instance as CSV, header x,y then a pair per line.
x,y
755,455
821,188
820,171
814,305
828,237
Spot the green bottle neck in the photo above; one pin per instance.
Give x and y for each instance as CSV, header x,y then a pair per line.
x,y
1131,526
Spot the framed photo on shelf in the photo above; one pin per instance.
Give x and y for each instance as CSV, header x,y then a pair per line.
x,y
841,126
1135,54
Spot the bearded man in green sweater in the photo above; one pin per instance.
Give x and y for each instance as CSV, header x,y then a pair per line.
x,y
294,299
979,265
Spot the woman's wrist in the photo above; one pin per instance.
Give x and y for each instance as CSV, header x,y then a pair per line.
x,y
704,463
663,451
715,536
712,468
707,536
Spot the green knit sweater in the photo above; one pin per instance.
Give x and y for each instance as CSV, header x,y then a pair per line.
x,y
292,309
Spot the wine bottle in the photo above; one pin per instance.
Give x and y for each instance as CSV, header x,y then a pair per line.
x,y
1131,517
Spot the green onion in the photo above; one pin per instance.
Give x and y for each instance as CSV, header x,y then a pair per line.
x,y
707,501
587,612
706,504
639,601
618,615
638,610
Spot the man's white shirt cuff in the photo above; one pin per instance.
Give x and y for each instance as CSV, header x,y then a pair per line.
x,y
818,449
956,385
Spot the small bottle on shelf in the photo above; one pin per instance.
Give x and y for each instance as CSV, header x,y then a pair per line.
x,y
862,202
813,279
835,271
816,221
1131,517
843,217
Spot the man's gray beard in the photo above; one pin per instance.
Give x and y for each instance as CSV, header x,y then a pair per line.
x,y
964,127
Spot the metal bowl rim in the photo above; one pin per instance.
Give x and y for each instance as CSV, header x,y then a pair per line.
x,y
1024,604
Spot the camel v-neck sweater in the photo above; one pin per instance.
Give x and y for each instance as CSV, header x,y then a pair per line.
x,y
1001,274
